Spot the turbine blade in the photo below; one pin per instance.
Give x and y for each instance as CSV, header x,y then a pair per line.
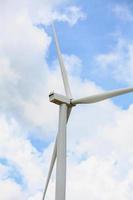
x,y
54,155
69,110
62,67
50,168
101,97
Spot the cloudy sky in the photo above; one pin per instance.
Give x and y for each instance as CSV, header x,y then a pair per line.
x,y
97,46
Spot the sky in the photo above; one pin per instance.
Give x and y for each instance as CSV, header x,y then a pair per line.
x,y
97,46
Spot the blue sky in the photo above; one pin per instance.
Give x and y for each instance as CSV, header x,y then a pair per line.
x,y
97,45
95,35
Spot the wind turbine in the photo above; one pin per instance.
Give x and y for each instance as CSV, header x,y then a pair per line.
x,y
66,104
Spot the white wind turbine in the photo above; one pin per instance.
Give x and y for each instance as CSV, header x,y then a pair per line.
x,y
65,104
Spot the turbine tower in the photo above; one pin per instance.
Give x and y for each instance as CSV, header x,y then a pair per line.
x,y
66,104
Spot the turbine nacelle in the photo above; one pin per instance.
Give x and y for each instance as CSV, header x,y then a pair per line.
x,y
59,99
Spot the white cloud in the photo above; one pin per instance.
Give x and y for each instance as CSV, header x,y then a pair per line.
x,y
123,12
71,15
3,171
96,176
22,157
6,71
119,61
10,190
121,133
46,11
18,150
23,49
100,161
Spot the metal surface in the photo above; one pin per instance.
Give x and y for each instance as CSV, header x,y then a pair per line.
x,y
61,155
54,155
50,168
101,97
58,99
62,67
